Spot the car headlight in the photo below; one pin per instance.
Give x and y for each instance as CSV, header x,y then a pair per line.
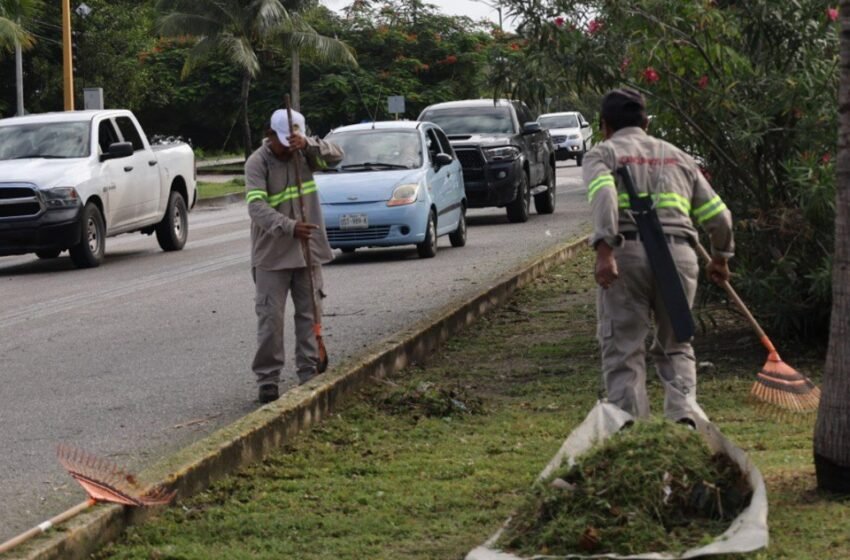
x,y
60,197
574,136
505,153
404,194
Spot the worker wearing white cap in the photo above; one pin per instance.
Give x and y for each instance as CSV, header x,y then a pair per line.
x,y
277,260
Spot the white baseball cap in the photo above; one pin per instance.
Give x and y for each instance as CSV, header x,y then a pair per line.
x,y
280,124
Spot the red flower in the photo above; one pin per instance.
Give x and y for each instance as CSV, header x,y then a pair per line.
x,y
451,59
651,75
832,14
515,46
625,64
594,26
825,158
559,21
703,82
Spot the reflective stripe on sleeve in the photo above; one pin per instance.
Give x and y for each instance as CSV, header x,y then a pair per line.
x,y
709,210
604,180
256,194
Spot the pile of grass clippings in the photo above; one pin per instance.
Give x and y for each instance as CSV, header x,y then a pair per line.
x,y
430,400
653,487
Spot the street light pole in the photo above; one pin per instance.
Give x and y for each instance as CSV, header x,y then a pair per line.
x,y
67,68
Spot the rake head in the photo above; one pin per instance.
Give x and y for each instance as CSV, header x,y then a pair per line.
x,y
107,482
780,385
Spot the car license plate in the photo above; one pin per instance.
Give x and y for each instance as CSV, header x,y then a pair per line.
x,y
354,221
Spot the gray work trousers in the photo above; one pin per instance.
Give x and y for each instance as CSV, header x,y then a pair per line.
x,y
273,286
624,317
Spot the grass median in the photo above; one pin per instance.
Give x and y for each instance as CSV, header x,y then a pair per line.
x,y
428,463
207,189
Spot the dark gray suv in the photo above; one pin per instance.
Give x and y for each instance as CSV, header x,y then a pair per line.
x,y
507,157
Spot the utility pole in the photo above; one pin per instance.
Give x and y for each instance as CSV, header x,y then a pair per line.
x,y
19,76
67,68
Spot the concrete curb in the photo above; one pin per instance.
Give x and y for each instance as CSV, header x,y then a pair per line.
x,y
254,436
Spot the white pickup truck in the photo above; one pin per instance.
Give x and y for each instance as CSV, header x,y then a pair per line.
x,y
69,180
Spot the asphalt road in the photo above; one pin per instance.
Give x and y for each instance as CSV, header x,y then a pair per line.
x,y
152,351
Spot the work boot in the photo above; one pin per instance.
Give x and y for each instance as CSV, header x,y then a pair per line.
x,y
304,377
268,393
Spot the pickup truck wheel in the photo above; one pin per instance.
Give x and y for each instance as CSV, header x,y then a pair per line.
x,y
544,202
428,248
48,254
518,210
458,236
172,231
88,253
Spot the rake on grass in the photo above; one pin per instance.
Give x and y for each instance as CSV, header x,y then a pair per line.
x,y
103,482
777,383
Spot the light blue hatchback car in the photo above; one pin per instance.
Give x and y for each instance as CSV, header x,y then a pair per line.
x,y
398,184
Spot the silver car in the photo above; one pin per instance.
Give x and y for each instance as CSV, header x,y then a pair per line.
x,y
571,134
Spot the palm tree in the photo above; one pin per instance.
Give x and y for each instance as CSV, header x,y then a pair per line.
x,y
14,37
236,28
299,38
832,431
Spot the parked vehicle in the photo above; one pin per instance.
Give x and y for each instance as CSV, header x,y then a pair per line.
x,y
398,184
506,156
69,180
571,134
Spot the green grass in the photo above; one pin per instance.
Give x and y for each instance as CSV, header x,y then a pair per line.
x,y
211,190
387,478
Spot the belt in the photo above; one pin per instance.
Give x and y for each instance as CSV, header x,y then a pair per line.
x,y
675,239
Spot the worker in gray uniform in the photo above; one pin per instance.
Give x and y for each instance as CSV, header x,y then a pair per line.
x,y
278,227
629,298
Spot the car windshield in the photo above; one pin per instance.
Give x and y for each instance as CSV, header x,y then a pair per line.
x,y
471,120
378,149
558,121
55,140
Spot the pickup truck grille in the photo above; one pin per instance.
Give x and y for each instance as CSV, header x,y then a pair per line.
x,y
469,158
559,139
18,201
371,233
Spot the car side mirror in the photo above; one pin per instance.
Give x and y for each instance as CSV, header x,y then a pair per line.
x,y
443,159
531,127
585,125
118,150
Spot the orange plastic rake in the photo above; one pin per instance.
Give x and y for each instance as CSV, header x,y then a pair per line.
x,y
777,383
103,482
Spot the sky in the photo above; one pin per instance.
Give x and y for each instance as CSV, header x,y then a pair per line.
x,y
475,10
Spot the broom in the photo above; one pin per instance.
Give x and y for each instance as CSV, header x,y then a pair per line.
x,y
777,383
322,364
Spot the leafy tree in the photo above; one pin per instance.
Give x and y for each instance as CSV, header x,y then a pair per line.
x,y
14,15
299,39
746,87
235,29
832,431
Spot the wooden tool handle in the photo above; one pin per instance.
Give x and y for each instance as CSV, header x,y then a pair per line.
x,y
305,243
738,301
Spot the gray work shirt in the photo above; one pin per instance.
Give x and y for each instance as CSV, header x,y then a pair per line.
x,y
274,205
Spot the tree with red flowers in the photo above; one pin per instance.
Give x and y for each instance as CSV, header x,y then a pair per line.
x,y
746,87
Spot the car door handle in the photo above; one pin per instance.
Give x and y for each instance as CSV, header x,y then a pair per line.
x,y
128,168
152,162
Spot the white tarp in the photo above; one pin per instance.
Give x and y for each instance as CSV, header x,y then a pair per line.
x,y
746,533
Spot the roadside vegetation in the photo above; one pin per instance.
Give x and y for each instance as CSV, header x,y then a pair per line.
x,y
212,190
429,463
